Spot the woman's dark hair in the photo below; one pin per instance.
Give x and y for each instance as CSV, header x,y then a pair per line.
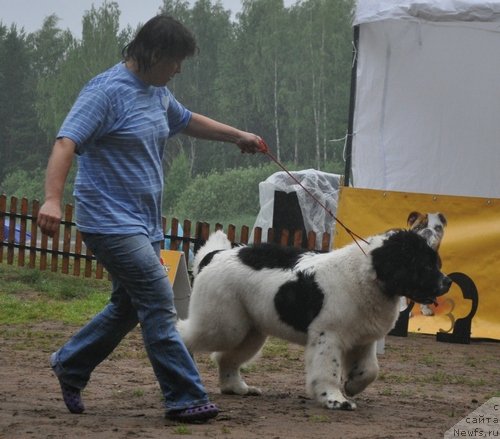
x,y
162,37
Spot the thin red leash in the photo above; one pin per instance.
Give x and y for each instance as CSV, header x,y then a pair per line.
x,y
265,150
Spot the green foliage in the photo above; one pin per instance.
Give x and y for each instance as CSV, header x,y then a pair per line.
x,y
177,179
222,195
78,62
21,183
19,133
30,184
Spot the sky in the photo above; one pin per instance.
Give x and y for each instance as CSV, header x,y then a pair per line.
x,y
30,14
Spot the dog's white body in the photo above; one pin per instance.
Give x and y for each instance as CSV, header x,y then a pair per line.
x,y
332,303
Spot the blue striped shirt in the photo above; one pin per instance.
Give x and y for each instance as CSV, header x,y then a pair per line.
x,y
120,126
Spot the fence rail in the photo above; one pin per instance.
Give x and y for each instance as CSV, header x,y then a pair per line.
x,y
65,252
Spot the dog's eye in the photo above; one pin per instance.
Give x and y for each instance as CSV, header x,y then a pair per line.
x,y
439,228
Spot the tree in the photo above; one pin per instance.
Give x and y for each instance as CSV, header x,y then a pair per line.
x,y
19,134
98,50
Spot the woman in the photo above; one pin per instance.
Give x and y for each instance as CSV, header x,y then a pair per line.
x,y
118,127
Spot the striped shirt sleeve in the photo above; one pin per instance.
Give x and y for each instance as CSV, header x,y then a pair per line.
x,y
90,117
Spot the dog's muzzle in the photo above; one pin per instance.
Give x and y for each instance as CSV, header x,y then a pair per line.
x,y
444,287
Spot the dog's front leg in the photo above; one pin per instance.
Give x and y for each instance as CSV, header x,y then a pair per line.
x,y
361,368
324,371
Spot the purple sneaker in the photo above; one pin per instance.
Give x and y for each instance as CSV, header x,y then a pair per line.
x,y
194,415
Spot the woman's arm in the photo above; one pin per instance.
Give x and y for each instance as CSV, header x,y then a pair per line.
x,y
60,161
205,128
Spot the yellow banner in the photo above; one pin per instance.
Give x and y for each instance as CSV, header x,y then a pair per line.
x,y
471,245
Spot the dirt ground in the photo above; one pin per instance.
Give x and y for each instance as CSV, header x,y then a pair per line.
x,y
424,388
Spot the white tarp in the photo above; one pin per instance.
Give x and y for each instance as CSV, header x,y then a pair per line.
x,y
438,10
427,111
324,186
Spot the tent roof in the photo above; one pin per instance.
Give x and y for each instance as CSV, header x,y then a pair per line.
x,y
429,10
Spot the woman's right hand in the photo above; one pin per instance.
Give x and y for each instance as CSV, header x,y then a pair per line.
x,y
49,217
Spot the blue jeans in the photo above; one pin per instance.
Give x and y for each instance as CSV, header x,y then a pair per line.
x,y
141,294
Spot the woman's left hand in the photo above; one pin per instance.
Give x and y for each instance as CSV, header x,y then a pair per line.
x,y
251,143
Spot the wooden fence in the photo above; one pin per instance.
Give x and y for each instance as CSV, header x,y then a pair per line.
x,y
22,243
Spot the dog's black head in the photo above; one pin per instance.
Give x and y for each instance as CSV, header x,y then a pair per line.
x,y
407,266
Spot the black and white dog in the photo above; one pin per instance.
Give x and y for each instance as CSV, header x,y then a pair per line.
x,y
337,304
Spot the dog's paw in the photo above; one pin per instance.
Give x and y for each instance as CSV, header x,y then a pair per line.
x,y
254,391
340,405
241,390
335,400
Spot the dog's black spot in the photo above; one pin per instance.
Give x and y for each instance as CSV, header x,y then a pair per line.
x,y
321,334
323,394
207,259
270,256
298,302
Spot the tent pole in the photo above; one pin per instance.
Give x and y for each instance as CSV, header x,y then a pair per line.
x,y
352,102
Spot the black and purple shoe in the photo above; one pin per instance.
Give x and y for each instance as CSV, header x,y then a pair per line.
x,y
194,415
71,395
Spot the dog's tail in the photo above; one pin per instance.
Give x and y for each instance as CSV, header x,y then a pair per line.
x,y
216,241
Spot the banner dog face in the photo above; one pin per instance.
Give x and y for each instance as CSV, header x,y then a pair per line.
x,y
431,227
336,304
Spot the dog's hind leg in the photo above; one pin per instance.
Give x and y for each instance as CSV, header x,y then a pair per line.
x,y
230,362
361,368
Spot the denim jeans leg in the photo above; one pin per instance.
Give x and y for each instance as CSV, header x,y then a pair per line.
x,y
76,360
133,261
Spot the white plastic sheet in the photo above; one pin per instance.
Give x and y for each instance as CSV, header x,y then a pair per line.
x,y
436,10
324,186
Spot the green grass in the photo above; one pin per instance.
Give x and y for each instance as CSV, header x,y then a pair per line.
x,y
30,295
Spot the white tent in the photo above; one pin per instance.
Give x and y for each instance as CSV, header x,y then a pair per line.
x,y
427,103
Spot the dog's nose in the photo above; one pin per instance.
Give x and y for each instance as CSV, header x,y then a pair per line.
x,y
446,284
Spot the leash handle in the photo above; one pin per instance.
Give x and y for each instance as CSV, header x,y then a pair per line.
x,y
265,150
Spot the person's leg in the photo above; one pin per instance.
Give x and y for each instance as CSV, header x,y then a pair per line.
x,y
134,262
74,362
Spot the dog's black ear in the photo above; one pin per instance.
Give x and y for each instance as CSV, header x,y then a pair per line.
x,y
442,218
412,217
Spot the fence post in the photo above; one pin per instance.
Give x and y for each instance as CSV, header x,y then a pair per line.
x,y
68,218
231,233
257,235
186,242
174,231
325,243
22,233
3,208
35,207
311,240
55,248
12,230
244,235
78,252
285,235
297,238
